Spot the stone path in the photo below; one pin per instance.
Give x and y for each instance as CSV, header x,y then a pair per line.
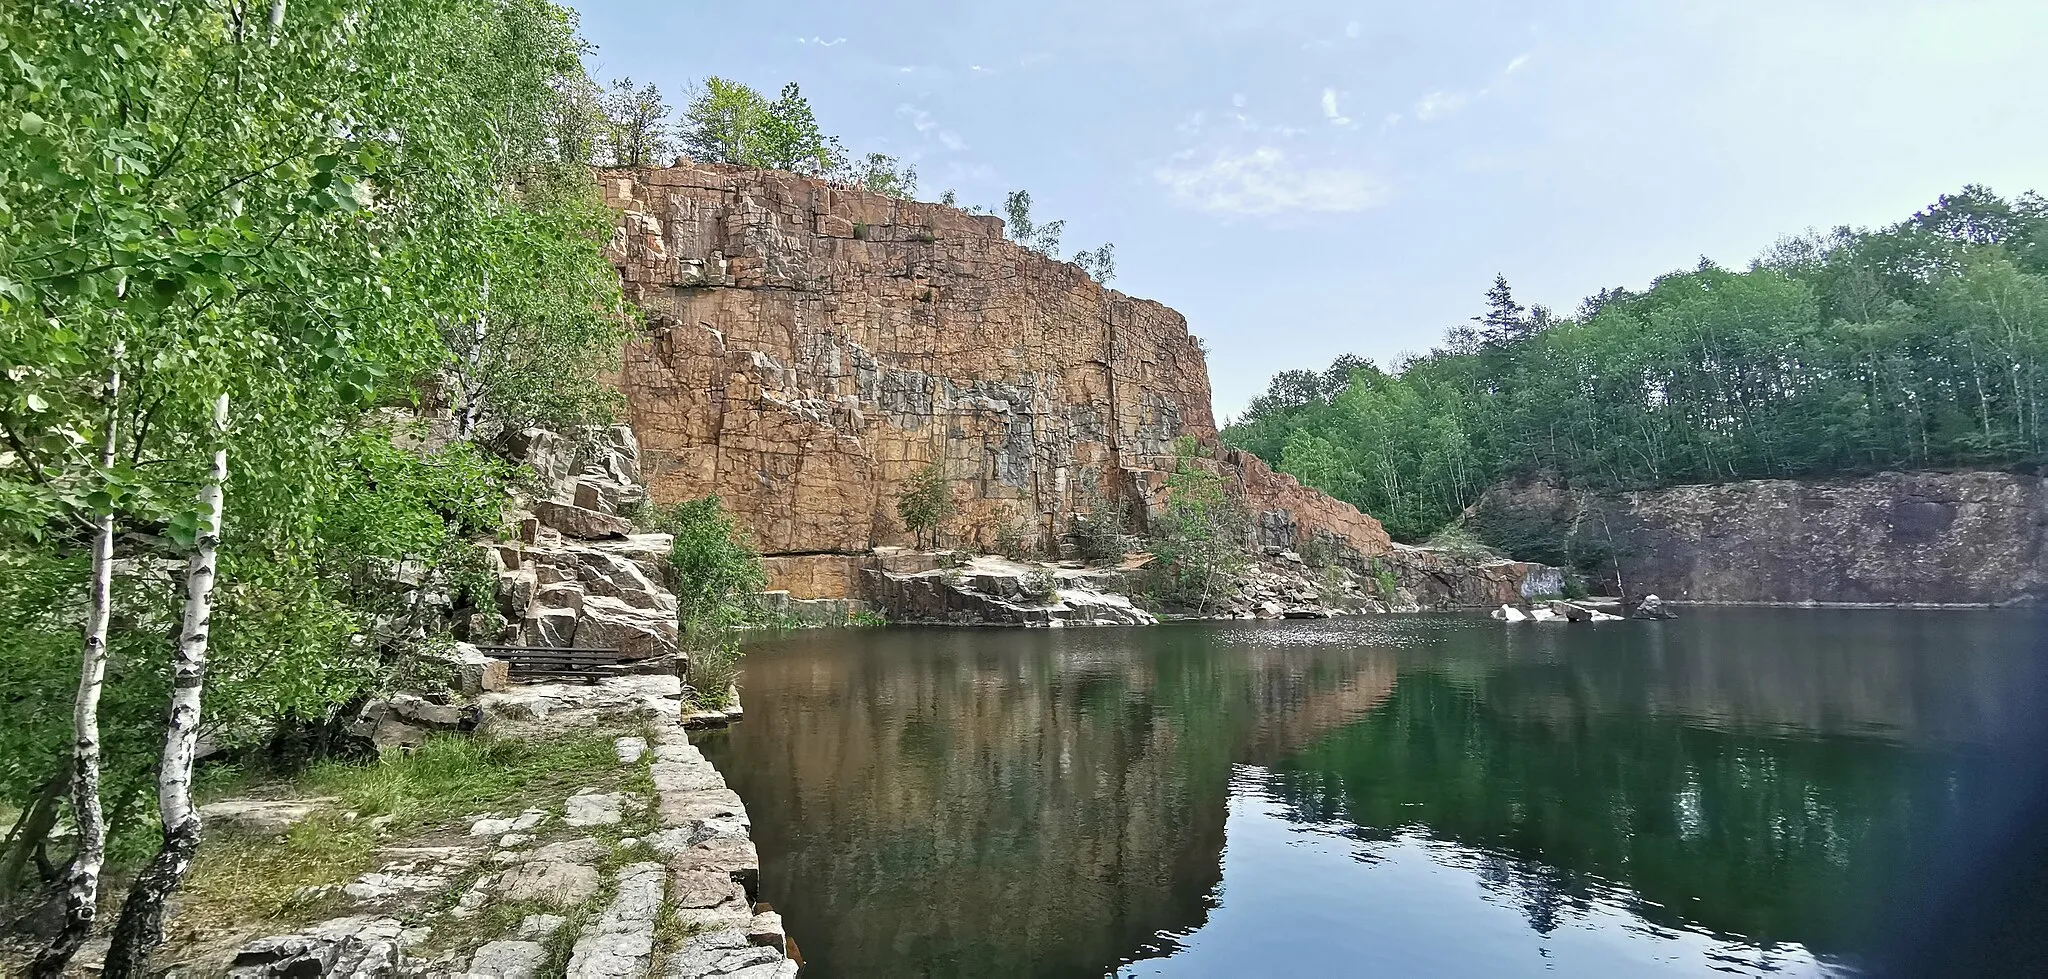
x,y
677,902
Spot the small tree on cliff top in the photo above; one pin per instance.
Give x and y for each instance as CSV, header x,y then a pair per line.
x,y
927,502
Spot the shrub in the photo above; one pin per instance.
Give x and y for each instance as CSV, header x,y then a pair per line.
x,y
1199,539
716,576
1099,532
1012,543
927,502
1041,587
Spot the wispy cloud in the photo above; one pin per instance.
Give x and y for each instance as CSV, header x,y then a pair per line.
x,y
1353,29
821,42
1238,100
925,125
1438,104
1330,108
1515,64
1264,182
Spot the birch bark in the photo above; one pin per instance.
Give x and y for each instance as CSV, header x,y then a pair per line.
x,y
140,929
82,884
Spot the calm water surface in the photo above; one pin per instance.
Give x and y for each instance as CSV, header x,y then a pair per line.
x,y
1736,792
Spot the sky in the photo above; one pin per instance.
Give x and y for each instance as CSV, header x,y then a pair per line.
x,y
1306,178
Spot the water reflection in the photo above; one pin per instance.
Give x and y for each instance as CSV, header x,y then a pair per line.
x,y
1730,791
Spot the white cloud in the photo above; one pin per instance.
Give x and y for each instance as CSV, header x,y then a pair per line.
x,y
1265,182
925,125
814,39
1330,108
976,68
1238,100
1436,105
1353,29
1516,64
905,69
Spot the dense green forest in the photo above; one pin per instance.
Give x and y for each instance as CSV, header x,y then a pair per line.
x,y
1919,345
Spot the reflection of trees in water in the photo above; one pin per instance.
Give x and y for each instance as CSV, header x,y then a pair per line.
x,y
1007,803
1766,837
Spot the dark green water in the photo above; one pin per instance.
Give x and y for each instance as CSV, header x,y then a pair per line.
x,y
1738,791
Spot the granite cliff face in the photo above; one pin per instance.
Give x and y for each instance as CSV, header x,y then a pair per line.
x,y
810,347
1969,538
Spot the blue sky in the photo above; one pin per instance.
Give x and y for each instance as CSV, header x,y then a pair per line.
x,y
1304,178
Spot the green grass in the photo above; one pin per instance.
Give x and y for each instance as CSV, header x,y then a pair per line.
x,y
446,779
453,776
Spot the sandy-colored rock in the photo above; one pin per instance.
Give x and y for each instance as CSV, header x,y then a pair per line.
x,y
575,521
811,347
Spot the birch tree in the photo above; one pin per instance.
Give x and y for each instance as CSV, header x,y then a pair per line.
x,y
140,928
82,884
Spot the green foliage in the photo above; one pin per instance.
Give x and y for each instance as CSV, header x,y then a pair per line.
x,y
1041,238
1013,541
1199,539
1574,586
865,619
302,216
883,174
636,131
1040,586
1099,263
729,122
926,503
1920,345
1098,530
714,572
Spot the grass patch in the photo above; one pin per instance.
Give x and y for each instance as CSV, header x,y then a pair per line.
x,y
240,878
454,776
1458,540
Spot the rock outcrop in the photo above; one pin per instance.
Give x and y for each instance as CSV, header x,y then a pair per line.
x,y
579,575
810,347
1919,538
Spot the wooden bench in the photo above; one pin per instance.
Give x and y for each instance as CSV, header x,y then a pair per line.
x,y
571,662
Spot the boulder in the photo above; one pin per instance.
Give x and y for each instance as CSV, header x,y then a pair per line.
x,y
575,521
352,948
1509,613
563,885
260,817
509,960
637,633
476,673
1652,607
1570,612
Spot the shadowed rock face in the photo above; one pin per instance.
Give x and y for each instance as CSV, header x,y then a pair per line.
x,y
810,347
1973,538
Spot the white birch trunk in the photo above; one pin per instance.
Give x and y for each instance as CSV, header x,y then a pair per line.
x,y
82,888
472,363
141,926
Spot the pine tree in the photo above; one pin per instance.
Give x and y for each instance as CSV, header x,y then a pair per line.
x,y
1504,323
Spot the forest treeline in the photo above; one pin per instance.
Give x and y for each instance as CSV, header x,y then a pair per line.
x,y
1919,345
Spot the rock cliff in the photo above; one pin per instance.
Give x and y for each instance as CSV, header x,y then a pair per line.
x,y
809,347
1969,538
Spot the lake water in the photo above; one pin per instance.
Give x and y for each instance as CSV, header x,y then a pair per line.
x,y
1740,791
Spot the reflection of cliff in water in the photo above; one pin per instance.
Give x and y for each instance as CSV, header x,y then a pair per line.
x,y
959,802
991,803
